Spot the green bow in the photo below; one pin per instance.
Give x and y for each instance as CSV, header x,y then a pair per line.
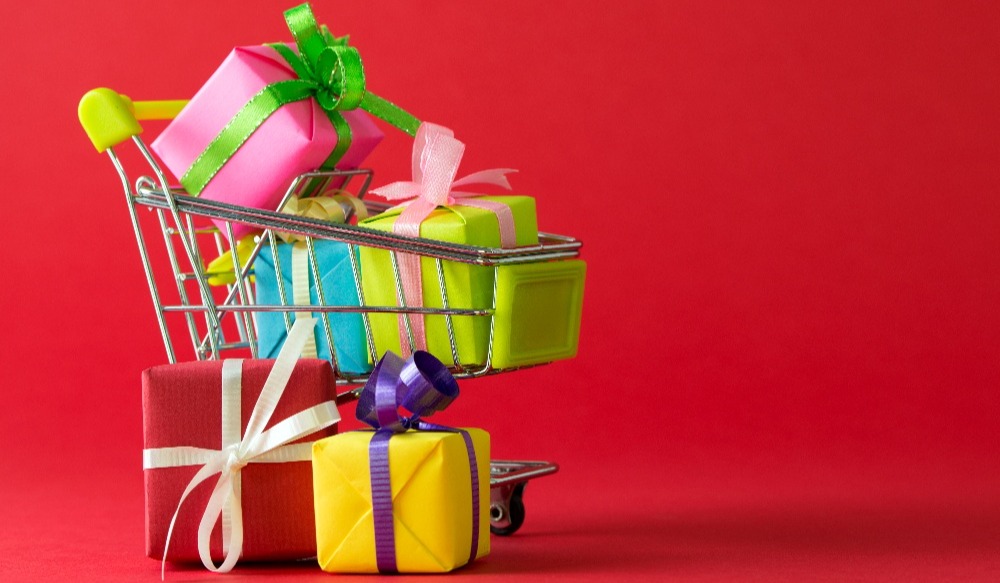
x,y
329,71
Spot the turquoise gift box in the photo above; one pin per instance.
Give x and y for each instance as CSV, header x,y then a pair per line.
x,y
337,278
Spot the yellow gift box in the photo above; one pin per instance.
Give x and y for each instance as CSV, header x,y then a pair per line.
x,y
469,286
431,501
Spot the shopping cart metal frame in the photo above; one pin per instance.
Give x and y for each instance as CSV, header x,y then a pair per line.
x,y
178,214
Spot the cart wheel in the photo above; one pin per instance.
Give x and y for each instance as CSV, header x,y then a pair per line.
x,y
504,521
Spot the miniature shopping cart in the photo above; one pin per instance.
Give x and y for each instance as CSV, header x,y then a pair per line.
x,y
221,321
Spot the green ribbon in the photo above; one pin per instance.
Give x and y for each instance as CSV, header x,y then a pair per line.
x,y
329,71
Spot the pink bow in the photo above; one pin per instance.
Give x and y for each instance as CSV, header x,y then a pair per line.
x,y
436,156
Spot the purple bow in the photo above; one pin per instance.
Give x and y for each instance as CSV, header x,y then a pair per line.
x,y
422,385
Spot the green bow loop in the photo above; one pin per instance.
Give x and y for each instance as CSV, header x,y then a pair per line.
x,y
341,78
308,36
328,61
329,71
313,42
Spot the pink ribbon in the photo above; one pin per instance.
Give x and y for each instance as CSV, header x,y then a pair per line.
x,y
436,156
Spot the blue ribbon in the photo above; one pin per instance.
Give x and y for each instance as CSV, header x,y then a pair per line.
x,y
423,386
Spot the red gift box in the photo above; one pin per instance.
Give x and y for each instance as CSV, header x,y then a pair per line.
x,y
182,406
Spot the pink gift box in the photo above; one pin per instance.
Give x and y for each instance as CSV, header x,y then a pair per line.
x,y
295,139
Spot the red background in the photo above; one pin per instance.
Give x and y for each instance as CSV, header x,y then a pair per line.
x,y
788,364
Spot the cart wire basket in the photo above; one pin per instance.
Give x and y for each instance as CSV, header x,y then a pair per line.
x,y
222,320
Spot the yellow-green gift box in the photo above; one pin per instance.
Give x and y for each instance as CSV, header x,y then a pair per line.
x,y
538,305
431,501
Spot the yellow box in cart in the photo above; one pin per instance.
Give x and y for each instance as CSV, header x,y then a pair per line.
x,y
538,305
431,501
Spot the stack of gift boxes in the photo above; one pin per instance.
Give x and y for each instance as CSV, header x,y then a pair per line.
x,y
242,457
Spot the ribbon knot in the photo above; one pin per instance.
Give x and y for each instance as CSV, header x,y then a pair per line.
x,y
332,70
234,463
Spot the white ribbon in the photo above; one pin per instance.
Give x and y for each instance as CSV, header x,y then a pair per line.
x,y
300,291
256,446
232,421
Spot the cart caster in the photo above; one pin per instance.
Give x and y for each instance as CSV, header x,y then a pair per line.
x,y
507,509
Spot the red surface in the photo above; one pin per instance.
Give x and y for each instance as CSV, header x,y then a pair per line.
x,y
789,360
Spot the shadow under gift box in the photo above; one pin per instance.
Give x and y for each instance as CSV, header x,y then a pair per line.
x,y
296,138
334,266
182,406
538,305
431,501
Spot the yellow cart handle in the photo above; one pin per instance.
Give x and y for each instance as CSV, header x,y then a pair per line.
x,y
110,118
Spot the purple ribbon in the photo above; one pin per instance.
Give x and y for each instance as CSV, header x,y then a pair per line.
x,y
422,385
